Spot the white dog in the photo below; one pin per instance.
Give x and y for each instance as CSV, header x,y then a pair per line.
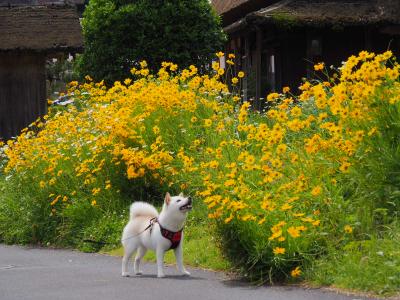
x,y
147,229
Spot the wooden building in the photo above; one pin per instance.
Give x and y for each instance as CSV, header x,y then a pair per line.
x,y
30,31
277,42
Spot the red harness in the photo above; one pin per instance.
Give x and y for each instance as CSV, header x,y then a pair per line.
x,y
173,237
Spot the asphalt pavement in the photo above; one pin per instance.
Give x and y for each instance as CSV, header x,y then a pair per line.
x,y
53,274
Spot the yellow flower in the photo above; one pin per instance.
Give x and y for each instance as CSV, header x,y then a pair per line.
x,y
319,66
93,203
240,74
156,130
279,250
294,232
235,80
219,54
348,229
207,122
286,207
372,131
281,149
296,111
143,64
316,191
95,191
227,220
275,235
295,272
286,89
272,96
250,159
345,167
316,223
262,221
213,164
229,182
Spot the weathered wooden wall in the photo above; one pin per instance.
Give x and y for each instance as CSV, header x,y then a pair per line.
x,y
22,91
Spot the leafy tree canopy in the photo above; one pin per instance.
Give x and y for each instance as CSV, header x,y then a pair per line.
x,y
120,33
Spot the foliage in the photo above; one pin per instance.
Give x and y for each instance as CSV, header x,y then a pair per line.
x,y
119,34
367,265
314,173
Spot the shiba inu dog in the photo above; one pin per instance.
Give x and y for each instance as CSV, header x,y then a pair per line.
x,y
147,229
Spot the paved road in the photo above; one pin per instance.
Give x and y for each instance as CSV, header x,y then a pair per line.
x,y
46,274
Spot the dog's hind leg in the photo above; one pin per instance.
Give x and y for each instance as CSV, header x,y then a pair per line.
x,y
129,249
139,255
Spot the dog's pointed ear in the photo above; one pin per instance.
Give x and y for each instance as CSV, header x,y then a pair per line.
x,y
181,194
167,199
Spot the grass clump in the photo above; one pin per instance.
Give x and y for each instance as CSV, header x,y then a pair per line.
x,y
366,265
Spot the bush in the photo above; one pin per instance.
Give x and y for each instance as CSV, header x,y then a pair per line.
x,y
314,173
119,34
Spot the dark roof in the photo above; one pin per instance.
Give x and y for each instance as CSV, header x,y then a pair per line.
x,y
223,6
232,10
349,12
49,28
321,12
30,2
39,2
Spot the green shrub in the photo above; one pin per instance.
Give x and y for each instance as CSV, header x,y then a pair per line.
x,y
120,34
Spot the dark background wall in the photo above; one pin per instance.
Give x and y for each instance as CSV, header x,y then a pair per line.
x,y
22,91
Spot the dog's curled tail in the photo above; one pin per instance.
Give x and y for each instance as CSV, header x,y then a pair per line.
x,y
142,209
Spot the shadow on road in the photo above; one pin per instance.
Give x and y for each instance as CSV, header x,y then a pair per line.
x,y
175,277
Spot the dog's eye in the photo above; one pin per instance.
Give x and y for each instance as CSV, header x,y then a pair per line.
x,y
178,200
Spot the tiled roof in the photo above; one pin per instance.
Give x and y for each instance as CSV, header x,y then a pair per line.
x,y
333,12
223,6
40,28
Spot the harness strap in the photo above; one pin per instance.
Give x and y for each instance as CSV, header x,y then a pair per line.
x,y
152,222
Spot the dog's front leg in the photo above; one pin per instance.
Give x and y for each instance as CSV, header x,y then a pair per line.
x,y
179,260
160,262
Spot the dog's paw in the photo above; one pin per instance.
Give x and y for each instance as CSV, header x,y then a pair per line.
x,y
185,273
125,274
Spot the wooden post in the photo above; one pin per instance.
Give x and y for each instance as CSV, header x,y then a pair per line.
x,y
247,66
22,91
259,38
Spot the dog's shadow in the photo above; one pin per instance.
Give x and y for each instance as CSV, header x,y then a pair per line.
x,y
174,277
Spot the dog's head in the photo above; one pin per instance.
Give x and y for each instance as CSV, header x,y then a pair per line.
x,y
178,204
